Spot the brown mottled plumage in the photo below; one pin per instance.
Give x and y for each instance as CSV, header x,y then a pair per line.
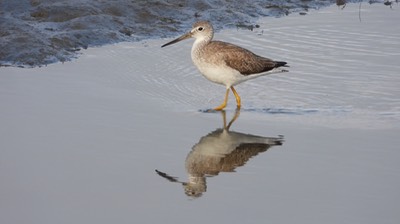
x,y
240,59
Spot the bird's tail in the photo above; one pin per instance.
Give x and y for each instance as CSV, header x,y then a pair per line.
x,y
281,64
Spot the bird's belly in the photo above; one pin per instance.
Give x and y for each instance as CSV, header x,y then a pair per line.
x,y
223,75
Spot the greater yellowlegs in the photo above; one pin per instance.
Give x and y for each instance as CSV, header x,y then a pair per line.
x,y
225,63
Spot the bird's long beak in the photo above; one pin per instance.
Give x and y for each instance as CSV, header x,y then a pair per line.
x,y
183,37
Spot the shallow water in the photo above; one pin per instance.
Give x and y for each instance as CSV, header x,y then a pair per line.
x,y
80,141
341,68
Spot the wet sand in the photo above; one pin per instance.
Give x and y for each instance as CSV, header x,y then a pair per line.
x,y
80,141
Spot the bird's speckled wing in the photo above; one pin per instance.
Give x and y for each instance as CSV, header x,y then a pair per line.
x,y
238,58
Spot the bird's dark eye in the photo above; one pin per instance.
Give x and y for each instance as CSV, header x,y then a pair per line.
x,y
200,29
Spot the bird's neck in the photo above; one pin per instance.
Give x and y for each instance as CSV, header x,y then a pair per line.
x,y
199,45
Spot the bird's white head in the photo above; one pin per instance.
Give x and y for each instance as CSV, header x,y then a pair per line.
x,y
202,31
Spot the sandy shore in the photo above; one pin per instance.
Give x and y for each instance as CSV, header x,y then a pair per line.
x,y
79,141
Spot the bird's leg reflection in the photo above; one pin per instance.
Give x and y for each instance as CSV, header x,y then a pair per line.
x,y
236,116
221,150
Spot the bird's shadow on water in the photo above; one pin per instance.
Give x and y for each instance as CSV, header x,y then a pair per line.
x,y
221,150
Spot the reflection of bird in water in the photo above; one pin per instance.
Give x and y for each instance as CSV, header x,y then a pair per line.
x,y
220,151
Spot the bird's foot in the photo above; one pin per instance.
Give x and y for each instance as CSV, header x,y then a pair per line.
x,y
220,107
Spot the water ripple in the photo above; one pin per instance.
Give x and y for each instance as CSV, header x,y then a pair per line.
x,y
335,62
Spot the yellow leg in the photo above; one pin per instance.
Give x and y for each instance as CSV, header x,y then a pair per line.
x,y
223,105
238,101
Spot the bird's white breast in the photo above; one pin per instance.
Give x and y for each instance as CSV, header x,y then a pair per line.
x,y
220,74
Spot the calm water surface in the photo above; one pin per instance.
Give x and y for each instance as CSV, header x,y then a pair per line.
x,y
81,141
